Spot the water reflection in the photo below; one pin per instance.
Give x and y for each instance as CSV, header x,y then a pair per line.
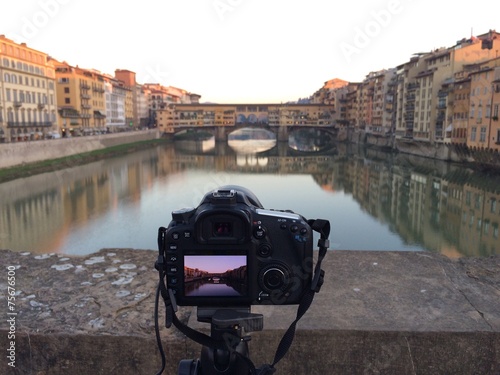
x,y
310,140
374,201
251,141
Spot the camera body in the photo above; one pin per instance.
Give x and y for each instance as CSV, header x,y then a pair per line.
x,y
230,251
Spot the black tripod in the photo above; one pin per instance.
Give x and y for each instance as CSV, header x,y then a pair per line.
x,y
230,354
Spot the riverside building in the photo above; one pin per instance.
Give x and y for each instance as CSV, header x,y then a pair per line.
x,y
27,93
426,86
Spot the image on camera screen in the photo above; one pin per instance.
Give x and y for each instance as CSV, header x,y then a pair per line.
x,y
215,276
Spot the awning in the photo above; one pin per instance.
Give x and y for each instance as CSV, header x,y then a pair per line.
x,y
449,128
99,114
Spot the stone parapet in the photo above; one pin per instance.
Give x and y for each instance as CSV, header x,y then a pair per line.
x,y
377,313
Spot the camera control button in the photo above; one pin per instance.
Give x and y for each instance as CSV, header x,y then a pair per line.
x,y
259,232
175,235
172,259
187,234
172,247
303,231
283,226
172,281
172,270
294,228
265,250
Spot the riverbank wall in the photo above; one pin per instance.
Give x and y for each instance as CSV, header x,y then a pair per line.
x,y
13,154
479,157
377,313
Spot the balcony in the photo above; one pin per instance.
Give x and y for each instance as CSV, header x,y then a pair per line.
x,y
69,113
17,103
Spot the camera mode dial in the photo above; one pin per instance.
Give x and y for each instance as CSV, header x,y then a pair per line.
x,y
182,215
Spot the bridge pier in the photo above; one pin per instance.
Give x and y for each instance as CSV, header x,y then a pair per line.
x,y
281,133
220,134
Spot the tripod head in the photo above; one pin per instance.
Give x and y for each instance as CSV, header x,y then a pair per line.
x,y
230,356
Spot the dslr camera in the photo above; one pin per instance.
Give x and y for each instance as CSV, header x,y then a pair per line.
x,y
230,251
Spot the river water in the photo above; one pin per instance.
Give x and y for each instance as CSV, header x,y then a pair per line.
x,y
373,200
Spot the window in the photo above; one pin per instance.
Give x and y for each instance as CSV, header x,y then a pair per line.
x,y
67,100
482,136
66,90
473,134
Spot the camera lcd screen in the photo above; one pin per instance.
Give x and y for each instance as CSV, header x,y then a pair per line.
x,y
215,276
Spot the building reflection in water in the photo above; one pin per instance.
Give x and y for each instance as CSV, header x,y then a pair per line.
x,y
430,205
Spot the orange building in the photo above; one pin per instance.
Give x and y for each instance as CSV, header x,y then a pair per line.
x,y
80,99
483,128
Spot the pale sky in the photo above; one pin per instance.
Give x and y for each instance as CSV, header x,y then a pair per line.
x,y
237,51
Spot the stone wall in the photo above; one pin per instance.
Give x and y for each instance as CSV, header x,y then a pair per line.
x,y
12,154
377,313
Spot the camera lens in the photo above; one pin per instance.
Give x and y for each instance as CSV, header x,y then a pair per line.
x,y
273,278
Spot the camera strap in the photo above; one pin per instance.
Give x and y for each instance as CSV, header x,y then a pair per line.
x,y
319,225
323,228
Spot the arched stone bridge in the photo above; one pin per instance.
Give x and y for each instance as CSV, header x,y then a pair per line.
x,y
282,132
223,119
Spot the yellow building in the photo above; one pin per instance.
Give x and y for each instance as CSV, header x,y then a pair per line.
x,y
27,93
80,99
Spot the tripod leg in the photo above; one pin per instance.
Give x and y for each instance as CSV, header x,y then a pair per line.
x,y
189,367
